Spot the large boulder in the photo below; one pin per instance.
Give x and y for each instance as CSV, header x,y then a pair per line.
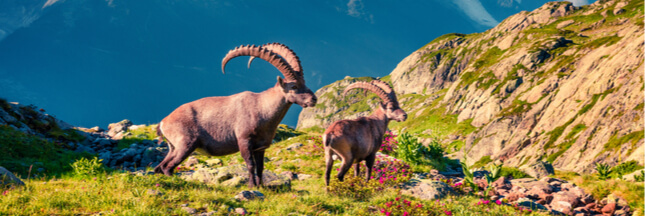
x,y
538,169
9,179
117,130
426,189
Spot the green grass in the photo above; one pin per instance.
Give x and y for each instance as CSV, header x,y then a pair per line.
x,y
518,107
482,162
490,57
616,142
441,124
603,41
21,151
148,132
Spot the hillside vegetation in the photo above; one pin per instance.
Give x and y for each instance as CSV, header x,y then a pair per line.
x,y
561,84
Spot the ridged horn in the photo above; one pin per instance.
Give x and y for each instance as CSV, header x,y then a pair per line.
x,y
264,54
370,87
286,53
386,87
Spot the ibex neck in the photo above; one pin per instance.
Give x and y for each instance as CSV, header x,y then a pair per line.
x,y
380,119
274,105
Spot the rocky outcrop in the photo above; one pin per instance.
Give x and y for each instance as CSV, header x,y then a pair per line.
x,y
561,84
555,195
9,179
426,190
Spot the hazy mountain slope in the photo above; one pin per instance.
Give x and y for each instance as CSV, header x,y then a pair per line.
x,y
561,83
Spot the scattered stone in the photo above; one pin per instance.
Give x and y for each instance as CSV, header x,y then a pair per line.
x,y
191,161
241,211
189,210
8,178
154,192
528,203
304,176
294,146
249,195
609,209
426,190
213,162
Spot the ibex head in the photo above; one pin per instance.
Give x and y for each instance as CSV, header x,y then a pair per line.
x,y
389,104
285,60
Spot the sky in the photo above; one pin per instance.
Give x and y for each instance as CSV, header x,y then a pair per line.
x,y
91,63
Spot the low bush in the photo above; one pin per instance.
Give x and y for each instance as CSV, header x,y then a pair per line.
x,y
603,171
386,173
389,144
88,167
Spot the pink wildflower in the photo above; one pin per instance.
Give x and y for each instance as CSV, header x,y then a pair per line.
x,y
388,213
405,214
498,202
458,184
157,185
448,212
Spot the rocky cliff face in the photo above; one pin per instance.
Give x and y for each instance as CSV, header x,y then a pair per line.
x,y
562,84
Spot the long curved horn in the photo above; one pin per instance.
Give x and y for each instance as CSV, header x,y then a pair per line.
x,y
370,87
386,87
286,53
264,54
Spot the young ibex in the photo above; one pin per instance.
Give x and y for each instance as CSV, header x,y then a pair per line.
x,y
359,139
244,122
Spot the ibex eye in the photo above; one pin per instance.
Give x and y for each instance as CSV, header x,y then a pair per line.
x,y
294,87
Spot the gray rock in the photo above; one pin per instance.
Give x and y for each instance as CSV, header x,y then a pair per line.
x,y
538,169
241,211
191,161
7,117
106,156
426,189
116,130
528,203
237,172
154,192
82,148
294,146
8,178
189,210
129,154
249,195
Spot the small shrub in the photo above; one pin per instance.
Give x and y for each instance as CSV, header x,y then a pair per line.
x,y
389,144
495,170
625,168
640,177
402,206
603,171
412,151
85,167
513,172
469,180
386,173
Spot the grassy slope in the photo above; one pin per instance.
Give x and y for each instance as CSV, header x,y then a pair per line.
x,y
121,193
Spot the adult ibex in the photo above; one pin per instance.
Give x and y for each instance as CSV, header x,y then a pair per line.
x,y
244,122
359,139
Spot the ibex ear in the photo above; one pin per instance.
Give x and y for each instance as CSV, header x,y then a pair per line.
x,y
280,81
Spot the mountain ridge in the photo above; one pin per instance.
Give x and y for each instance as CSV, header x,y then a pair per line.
x,y
562,84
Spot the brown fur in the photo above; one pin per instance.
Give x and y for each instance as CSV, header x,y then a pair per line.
x,y
358,139
244,122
